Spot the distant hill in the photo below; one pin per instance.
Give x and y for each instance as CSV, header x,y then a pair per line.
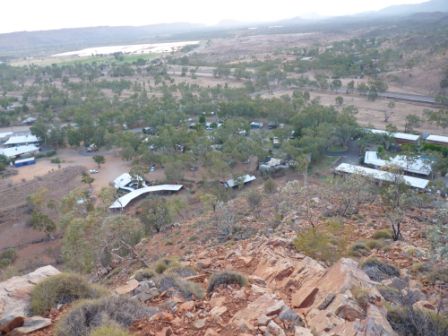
x,y
43,43
430,6
52,41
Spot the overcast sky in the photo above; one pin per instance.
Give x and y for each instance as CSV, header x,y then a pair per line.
x,y
19,15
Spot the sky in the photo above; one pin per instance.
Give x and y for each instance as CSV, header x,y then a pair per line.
x,y
20,15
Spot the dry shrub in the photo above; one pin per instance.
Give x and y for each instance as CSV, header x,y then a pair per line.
x,y
225,278
327,242
111,330
164,264
62,289
86,316
361,295
144,274
359,249
187,289
378,270
438,275
382,234
408,321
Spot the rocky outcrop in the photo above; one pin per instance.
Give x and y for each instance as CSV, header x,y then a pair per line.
x,y
330,307
15,292
287,294
15,301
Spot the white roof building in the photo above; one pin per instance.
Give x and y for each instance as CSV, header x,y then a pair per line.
x,y
396,135
13,152
273,164
437,139
5,135
22,140
410,165
239,180
127,182
123,201
381,175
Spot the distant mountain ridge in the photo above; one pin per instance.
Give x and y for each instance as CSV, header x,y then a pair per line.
x,y
42,42
425,7
39,43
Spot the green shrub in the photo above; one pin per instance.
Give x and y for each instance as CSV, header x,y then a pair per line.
x,y
144,274
182,271
164,264
390,294
254,199
225,278
173,282
421,268
378,270
88,315
7,257
61,289
270,186
375,244
438,275
361,295
109,331
359,249
415,322
327,243
56,160
382,234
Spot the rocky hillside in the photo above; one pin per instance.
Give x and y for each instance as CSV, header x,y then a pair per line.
x,y
258,283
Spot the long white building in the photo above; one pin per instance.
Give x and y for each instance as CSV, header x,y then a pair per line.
x,y
411,165
381,175
14,152
19,140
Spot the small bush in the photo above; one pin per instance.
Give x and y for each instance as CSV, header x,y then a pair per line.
x,y
182,271
391,294
375,244
7,257
327,243
56,160
382,234
86,316
414,322
270,186
109,331
62,289
359,249
186,288
254,199
164,264
361,295
421,268
438,275
379,270
225,278
144,274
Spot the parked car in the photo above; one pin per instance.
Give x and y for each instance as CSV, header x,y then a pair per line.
x,y
93,171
